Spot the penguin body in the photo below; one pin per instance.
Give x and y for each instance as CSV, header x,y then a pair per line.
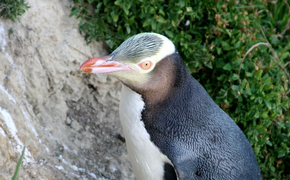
x,y
173,129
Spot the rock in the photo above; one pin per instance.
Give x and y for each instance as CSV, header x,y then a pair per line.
x,y
71,117
68,121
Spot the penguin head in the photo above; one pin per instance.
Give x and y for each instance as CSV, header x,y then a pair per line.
x,y
135,60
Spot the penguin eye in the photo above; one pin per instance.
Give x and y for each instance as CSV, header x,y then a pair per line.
x,y
146,65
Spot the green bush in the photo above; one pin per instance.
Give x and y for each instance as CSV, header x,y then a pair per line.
x,y
238,50
12,9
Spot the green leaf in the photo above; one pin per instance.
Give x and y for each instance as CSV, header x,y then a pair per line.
x,y
227,67
126,8
249,74
268,84
226,46
161,19
219,50
284,55
114,16
261,129
169,34
118,3
128,29
235,77
274,39
189,9
153,25
258,74
257,115
20,161
272,168
235,87
281,153
267,123
161,12
74,12
238,45
268,143
268,104
248,91
110,43
147,22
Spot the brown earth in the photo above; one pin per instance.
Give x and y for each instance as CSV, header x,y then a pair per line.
x,y
71,117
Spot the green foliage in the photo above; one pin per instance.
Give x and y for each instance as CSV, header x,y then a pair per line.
x,y
12,9
238,50
20,161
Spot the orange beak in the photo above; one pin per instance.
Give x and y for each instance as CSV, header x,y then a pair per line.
x,y
103,65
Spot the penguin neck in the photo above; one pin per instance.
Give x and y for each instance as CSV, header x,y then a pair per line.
x,y
169,74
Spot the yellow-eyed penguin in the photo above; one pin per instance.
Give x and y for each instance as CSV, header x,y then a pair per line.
x,y
173,129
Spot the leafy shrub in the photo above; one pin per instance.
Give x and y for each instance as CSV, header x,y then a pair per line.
x,y
11,9
238,50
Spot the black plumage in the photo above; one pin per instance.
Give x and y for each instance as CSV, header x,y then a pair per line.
x,y
199,138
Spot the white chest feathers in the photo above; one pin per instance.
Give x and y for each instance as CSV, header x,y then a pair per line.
x,y
146,159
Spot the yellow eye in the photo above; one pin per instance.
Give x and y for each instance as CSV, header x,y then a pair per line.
x,y
146,65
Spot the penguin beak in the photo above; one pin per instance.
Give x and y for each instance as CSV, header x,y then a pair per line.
x,y
103,64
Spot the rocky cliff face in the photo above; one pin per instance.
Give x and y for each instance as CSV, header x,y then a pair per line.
x,y
70,117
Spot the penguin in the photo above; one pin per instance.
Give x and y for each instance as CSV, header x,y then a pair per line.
x,y
173,128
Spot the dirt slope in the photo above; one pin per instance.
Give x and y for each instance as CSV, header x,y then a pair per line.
x,y
71,117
